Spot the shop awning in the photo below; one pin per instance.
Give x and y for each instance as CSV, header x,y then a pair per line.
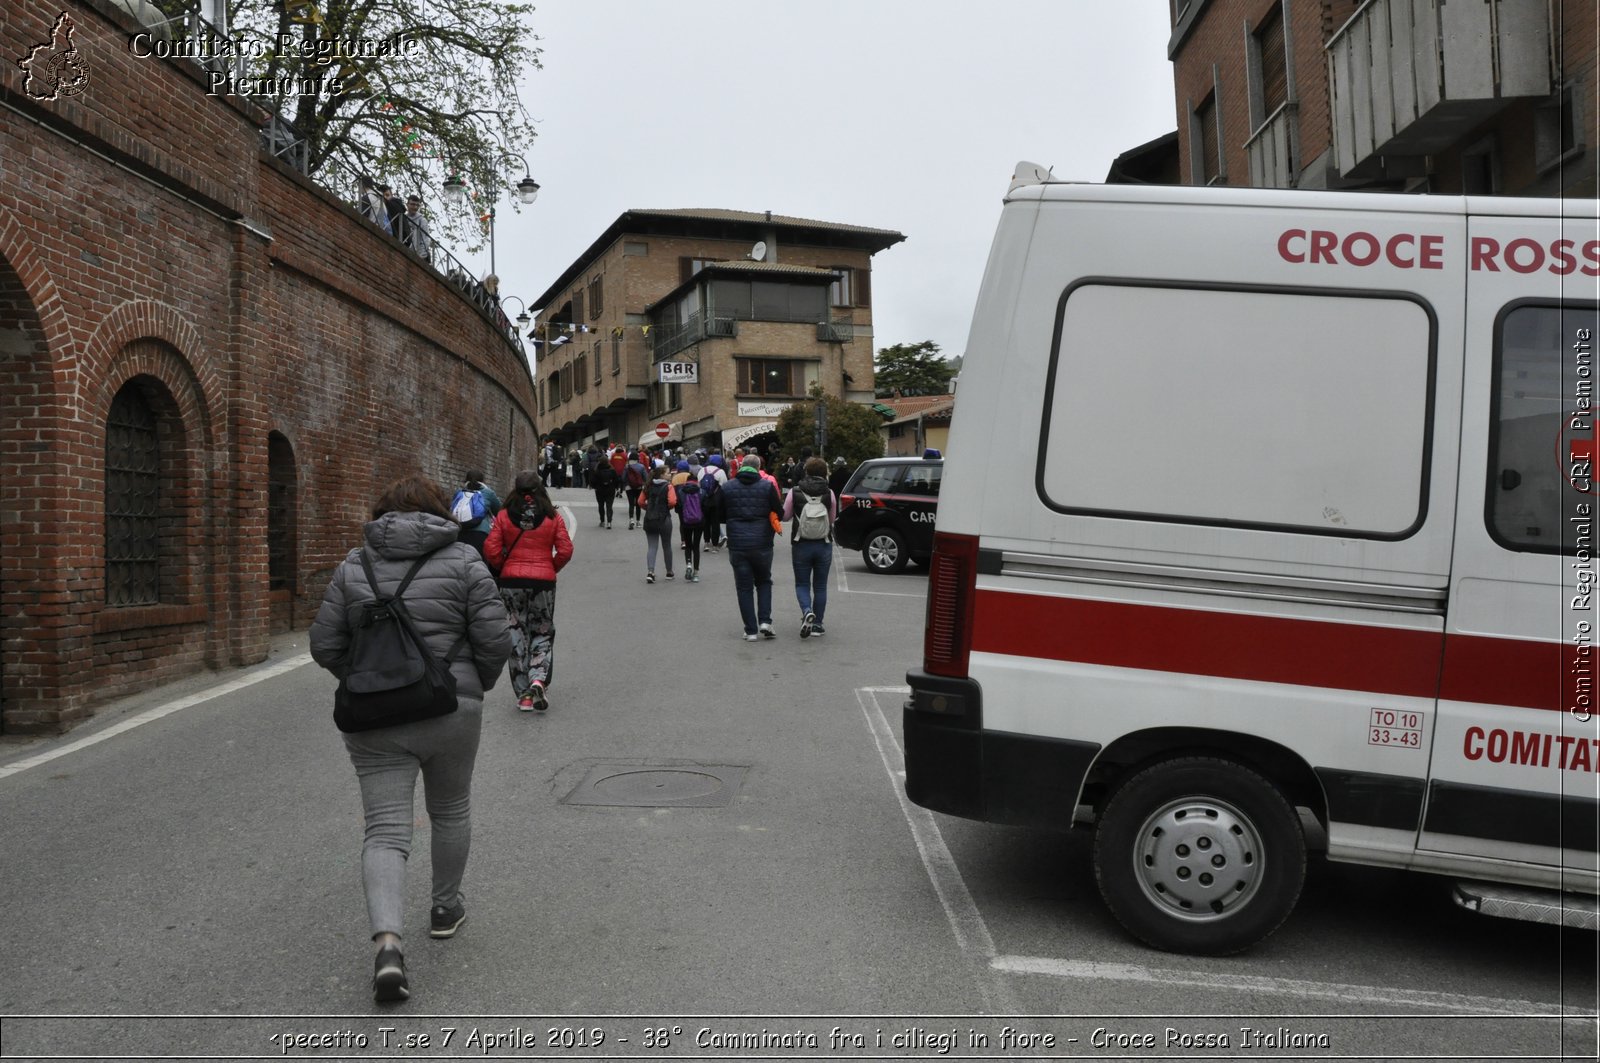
x,y
650,439
732,437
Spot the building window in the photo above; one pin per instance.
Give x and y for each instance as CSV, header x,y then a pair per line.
x,y
1555,131
1268,68
635,248
1480,169
1205,160
665,397
577,305
281,480
616,354
566,382
133,500
544,385
839,290
597,362
596,298
688,267
580,373
777,377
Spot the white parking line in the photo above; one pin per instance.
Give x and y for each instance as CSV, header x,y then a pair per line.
x,y
844,581
150,715
966,922
973,937
1377,996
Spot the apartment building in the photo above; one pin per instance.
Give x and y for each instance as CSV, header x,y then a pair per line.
x,y
1445,96
711,322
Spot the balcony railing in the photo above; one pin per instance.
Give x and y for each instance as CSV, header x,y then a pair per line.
x,y
1273,150
667,340
1411,77
835,332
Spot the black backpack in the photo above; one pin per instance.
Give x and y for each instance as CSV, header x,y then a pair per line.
x,y
392,675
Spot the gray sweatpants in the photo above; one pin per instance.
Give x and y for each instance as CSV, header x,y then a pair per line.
x,y
387,760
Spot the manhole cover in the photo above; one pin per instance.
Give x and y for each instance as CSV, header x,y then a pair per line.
x,y
658,786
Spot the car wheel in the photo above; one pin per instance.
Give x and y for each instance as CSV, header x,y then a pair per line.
x,y
885,550
1199,855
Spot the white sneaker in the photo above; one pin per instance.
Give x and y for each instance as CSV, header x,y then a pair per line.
x,y
750,638
806,623
767,632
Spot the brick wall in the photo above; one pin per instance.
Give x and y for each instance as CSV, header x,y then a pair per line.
x,y
146,241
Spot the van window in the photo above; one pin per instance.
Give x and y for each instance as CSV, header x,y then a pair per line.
x,y
1294,410
1541,447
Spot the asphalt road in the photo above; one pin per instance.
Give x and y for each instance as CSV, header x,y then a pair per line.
x,y
180,878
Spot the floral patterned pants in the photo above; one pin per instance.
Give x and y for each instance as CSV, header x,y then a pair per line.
x,y
533,636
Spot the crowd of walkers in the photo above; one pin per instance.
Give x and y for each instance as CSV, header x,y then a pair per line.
x,y
400,218
458,587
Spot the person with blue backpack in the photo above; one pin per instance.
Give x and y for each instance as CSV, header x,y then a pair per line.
x,y
473,508
711,480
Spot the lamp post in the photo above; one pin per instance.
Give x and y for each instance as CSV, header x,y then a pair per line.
x,y
523,320
455,191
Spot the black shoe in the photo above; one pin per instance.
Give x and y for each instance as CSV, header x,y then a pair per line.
x,y
446,921
389,976
816,631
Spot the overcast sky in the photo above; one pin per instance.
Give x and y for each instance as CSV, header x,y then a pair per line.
x,y
897,114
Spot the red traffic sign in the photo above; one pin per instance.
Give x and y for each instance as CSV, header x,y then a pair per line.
x,y
663,430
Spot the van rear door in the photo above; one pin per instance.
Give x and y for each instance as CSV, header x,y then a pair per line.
x,y
1512,776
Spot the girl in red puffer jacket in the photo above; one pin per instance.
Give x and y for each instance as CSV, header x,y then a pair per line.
x,y
528,545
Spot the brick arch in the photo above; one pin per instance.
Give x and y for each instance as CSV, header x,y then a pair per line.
x,y
170,358
41,290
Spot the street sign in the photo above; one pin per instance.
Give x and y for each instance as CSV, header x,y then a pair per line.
x,y
678,372
663,430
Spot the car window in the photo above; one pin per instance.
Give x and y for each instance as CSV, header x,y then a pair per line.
x,y
922,480
875,478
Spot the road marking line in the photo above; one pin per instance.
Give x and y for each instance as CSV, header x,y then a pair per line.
x,y
1291,987
966,921
844,582
150,715
972,933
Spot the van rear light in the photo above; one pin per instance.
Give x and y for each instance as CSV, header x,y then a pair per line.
x,y
952,584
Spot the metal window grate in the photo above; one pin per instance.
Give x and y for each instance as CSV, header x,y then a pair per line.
x,y
133,502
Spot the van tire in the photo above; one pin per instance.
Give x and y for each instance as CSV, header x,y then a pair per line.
x,y
885,551
1173,894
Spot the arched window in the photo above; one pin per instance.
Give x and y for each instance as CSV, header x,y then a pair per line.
x,y
133,500
281,503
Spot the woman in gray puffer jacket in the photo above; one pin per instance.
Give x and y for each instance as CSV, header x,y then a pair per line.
x,y
453,595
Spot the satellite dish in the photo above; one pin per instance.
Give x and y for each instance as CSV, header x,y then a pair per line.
x,y
758,253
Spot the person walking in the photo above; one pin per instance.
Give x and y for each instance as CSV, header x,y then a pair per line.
x,y
454,606
711,481
813,509
691,522
604,480
372,205
527,547
635,475
473,508
657,500
839,476
416,229
749,504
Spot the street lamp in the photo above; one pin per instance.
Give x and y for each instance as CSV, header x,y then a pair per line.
x,y
455,192
523,320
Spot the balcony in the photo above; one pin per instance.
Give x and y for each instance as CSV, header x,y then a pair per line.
x,y
1412,77
835,332
666,340
1273,150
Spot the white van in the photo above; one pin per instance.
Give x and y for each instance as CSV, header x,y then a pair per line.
x,y
1261,505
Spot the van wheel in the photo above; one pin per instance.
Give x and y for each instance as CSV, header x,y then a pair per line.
x,y
1199,855
885,551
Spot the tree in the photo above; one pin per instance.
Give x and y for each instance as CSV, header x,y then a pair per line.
x,y
854,432
406,91
912,369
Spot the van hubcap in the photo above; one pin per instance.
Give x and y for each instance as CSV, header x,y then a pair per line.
x,y
1198,858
